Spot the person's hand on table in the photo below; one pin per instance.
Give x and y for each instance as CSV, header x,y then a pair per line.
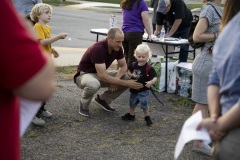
x,y
149,37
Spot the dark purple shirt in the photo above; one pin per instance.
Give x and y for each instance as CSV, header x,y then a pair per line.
x,y
98,54
132,20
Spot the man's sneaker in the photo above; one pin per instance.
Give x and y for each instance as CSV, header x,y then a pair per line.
x,y
103,104
128,117
38,121
203,149
82,111
148,120
46,113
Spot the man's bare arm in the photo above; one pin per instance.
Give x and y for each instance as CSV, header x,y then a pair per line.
x,y
123,68
103,76
213,100
175,26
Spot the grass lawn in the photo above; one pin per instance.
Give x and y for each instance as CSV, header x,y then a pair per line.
x,y
65,2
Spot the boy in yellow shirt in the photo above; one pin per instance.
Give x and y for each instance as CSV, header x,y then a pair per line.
x,y
41,14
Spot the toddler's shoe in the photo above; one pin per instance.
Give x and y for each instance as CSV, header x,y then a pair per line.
x,y
148,120
128,117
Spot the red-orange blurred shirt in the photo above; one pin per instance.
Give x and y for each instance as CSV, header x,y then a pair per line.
x,y
20,59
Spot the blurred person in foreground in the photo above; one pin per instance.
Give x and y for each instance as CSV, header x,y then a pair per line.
x,y
224,87
30,76
207,31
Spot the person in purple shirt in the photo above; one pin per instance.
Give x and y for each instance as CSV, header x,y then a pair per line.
x,y
135,19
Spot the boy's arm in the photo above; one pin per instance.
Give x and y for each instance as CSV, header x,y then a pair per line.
x,y
53,39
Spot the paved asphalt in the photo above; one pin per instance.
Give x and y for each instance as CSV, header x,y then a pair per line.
x,y
70,56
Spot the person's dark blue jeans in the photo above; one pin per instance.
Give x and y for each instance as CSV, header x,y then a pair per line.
x,y
182,33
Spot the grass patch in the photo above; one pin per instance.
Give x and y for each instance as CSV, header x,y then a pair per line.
x,y
107,1
192,6
66,69
65,2
184,101
59,2
66,72
32,134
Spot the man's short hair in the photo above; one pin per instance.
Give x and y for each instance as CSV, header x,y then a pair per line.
x,y
112,32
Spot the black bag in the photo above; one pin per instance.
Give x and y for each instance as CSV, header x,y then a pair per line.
x,y
193,44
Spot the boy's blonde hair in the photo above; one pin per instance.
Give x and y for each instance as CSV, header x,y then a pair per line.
x,y
143,49
38,9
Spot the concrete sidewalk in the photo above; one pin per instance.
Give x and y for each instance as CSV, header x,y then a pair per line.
x,y
68,56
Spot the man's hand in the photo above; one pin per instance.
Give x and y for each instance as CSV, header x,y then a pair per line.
x,y
134,84
216,135
113,87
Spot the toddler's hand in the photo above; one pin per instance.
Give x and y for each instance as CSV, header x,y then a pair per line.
x,y
149,84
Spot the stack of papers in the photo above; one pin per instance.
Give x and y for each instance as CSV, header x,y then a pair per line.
x,y
190,133
169,39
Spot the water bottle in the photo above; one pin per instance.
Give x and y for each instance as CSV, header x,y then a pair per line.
x,y
112,20
162,34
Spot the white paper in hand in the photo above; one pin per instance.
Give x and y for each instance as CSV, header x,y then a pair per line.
x,y
190,133
28,109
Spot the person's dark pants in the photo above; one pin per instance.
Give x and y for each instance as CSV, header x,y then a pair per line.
x,y
130,43
41,109
182,33
153,27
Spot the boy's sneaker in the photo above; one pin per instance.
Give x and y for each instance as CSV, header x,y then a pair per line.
x,y
203,149
103,104
82,111
148,120
128,117
38,121
46,113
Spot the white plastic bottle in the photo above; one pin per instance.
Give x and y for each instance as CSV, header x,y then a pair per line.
x,y
112,20
162,34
